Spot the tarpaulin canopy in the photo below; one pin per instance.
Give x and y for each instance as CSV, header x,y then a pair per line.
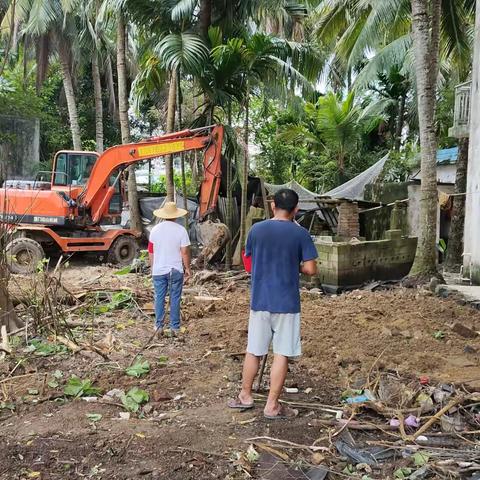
x,y
303,193
354,189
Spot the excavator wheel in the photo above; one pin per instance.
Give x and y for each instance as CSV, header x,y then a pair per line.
x,y
24,255
123,250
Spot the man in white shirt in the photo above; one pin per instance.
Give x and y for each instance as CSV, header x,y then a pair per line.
x,y
169,252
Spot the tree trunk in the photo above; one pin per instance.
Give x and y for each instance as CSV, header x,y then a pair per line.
x,y
455,238
64,55
205,17
425,25
112,99
42,48
182,154
399,125
169,174
97,90
228,249
135,217
243,208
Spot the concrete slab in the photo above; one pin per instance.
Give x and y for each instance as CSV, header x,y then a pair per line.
x,y
471,293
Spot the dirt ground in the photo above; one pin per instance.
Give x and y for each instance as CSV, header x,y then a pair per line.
x,y
185,430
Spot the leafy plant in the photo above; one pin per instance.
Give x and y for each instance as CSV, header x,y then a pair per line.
x,y
138,369
134,398
94,417
402,472
56,375
439,335
45,349
121,299
76,387
420,459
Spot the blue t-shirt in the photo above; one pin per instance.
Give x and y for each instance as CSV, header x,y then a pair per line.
x,y
277,248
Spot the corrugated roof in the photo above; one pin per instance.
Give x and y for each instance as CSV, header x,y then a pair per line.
x,y
447,156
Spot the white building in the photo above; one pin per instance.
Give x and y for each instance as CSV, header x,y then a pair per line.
x,y
472,212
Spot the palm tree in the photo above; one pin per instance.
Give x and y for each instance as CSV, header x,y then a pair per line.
x,y
53,18
93,40
260,60
335,128
394,31
123,107
179,52
426,36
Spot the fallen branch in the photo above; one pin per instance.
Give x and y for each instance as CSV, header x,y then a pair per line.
x,y
435,418
312,448
18,376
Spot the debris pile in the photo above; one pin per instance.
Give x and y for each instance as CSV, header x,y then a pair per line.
x,y
392,427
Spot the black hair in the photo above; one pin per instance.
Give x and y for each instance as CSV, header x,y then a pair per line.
x,y
286,199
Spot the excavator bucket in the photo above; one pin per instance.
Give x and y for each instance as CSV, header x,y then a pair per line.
x,y
213,236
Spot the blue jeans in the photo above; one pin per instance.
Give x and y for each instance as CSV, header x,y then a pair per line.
x,y
161,285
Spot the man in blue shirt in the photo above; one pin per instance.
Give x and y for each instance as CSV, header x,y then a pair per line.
x,y
279,249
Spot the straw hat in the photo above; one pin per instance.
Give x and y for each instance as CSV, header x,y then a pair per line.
x,y
170,210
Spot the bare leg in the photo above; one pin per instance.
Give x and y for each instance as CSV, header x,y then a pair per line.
x,y
278,374
250,369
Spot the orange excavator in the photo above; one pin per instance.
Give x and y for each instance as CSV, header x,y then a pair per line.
x,y
79,209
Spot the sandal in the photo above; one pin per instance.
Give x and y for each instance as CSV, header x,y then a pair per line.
x,y
237,403
284,413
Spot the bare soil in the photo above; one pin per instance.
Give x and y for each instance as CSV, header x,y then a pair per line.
x,y
185,431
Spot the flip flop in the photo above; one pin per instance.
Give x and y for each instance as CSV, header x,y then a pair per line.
x,y
284,413
237,403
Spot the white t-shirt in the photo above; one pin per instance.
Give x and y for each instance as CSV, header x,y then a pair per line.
x,y
166,239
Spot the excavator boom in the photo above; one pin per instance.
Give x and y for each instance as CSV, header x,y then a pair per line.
x,y
121,156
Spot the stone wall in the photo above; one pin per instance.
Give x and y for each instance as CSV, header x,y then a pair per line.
x,y
19,147
386,192
346,265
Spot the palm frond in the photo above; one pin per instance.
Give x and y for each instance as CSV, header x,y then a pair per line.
x,y
183,10
392,54
183,50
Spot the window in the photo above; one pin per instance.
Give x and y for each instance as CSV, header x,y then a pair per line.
x,y
73,168
60,177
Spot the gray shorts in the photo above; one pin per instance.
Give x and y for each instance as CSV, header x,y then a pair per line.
x,y
280,329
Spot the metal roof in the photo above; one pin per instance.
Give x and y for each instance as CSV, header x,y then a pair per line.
x,y
447,156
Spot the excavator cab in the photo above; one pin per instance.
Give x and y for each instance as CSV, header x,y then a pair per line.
x,y
72,168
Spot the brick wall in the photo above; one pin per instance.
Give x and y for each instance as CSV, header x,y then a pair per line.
x,y
348,223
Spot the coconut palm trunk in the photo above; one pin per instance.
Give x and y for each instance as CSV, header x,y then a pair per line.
x,y
171,104
426,30
64,54
399,123
455,239
135,217
243,205
182,155
97,90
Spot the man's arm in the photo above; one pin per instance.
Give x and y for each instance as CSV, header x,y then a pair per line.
x,y
186,256
309,268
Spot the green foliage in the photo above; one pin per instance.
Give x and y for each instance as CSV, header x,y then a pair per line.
x,y
320,145
399,165
160,186
120,299
134,398
94,417
45,349
138,369
439,335
76,387
403,472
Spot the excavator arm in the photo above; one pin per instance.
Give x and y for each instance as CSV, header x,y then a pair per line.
x,y
97,193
